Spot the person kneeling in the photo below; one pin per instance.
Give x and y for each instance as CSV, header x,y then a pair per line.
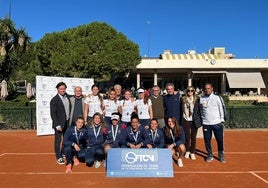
x,y
74,143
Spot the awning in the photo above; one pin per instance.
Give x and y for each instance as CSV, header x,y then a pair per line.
x,y
245,80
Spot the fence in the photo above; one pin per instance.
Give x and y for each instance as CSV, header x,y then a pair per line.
x,y
247,117
237,117
18,117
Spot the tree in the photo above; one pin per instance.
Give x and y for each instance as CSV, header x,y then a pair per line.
x,y
94,50
13,43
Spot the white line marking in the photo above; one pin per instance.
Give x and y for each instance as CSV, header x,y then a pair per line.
x,y
259,177
28,153
175,172
216,172
46,173
232,153
253,152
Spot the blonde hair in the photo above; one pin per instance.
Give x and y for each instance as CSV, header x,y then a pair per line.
x,y
185,98
102,122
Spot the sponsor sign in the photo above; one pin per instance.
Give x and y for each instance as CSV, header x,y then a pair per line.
x,y
46,90
123,162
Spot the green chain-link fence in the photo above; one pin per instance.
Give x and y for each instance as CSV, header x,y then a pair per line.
x,y
237,117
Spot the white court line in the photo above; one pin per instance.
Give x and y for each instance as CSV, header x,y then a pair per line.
x,y
27,154
175,172
247,152
259,177
232,153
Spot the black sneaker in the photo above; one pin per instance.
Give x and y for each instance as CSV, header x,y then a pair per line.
x,y
209,159
60,161
222,159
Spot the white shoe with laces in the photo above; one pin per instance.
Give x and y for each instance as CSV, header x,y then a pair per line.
x,y
187,154
193,156
97,164
180,164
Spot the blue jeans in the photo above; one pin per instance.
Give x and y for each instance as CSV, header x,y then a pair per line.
x,y
107,120
57,142
70,152
94,153
218,133
144,122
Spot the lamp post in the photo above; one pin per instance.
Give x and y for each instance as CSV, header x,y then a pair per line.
x,y
148,49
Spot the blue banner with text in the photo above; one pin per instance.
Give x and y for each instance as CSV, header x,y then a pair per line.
x,y
139,163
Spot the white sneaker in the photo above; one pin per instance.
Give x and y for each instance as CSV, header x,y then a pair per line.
x,y
97,164
104,163
193,156
180,164
187,154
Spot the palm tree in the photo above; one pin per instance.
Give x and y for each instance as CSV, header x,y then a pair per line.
x,y
13,42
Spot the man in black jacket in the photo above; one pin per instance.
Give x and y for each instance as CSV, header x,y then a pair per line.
x,y
60,114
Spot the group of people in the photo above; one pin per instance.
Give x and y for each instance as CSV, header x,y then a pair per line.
x,y
86,127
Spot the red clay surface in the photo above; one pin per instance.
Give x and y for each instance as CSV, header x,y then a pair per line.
x,y
28,161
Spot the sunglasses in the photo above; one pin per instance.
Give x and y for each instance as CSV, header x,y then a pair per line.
x,y
190,90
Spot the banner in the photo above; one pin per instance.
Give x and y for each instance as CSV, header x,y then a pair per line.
x,y
123,162
46,90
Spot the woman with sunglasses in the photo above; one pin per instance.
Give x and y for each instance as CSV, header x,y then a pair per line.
x,y
189,101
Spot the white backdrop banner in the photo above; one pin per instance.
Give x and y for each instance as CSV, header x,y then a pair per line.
x,y
46,90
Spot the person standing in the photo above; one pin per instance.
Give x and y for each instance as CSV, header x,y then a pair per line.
x,y
212,115
172,103
60,113
77,105
110,106
93,104
118,92
143,107
126,107
158,106
189,122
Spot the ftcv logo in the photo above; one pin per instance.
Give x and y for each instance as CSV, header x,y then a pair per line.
x,y
139,156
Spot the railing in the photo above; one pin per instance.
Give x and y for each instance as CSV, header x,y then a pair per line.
x,y
18,117
237,117
247,117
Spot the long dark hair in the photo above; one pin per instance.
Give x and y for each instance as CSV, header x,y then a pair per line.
x,y
99,95
176,130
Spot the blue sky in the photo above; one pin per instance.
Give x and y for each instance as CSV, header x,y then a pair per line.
x,y
241,26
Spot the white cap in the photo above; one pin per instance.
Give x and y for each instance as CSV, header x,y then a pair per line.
x,y
140,90
114,116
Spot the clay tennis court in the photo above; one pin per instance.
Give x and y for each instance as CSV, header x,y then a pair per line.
x,y
28,161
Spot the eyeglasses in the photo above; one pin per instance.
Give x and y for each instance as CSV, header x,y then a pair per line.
x,y
190,90
155,90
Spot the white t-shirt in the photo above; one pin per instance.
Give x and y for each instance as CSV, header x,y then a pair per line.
x,y
143,109
110,106
127,109
94,105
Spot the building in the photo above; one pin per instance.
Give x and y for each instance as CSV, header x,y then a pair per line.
x,y
228,75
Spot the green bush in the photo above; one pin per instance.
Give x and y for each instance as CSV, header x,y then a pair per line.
x,y
248,117
241,103
10,104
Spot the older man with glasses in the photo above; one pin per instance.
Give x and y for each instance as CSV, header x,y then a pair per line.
x,y
158,106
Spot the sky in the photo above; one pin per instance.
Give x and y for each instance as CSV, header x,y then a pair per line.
x,y
241,26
